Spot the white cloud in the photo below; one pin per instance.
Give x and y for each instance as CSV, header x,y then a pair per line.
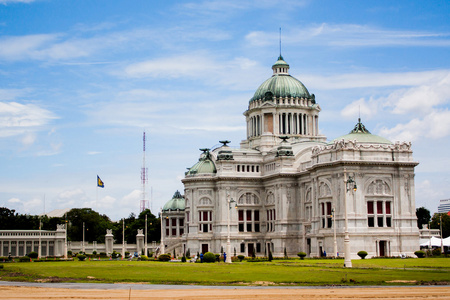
x,y
435,125
364,80
361,107
14,200
421,99
351,35
17,118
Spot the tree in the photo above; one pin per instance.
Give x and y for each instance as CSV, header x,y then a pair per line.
x,y
435,224
95,225
423,216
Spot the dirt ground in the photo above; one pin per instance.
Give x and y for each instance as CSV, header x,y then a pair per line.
x,y
431,292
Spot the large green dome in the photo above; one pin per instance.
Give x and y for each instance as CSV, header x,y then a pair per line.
x,y
176,203
361,135
281,84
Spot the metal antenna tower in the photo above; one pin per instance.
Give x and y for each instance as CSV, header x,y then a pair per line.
x,y
144,203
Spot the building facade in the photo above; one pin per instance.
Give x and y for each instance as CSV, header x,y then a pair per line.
x,y
286,189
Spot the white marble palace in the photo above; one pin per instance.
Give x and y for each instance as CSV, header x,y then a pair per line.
x,y
286,189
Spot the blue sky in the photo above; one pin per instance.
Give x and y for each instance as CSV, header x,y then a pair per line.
x,y
81,80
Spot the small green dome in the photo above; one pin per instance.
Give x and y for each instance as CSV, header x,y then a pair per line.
x,y
281,84
205,165
176,203
361,135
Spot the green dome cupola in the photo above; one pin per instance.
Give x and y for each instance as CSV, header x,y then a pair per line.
x,y
281,84
205,165
361,135
176,203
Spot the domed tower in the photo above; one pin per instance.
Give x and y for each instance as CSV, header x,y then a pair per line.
x,y
281,106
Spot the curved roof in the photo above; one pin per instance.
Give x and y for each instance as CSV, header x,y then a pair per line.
x,y
361,135
205,165
176,203
281,84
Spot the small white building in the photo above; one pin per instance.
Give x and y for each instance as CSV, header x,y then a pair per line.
x,y
286,189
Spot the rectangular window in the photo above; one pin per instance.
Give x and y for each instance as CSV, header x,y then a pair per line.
x,y
388,207
174,222
174,231
167,232
256,227
328,208
181,222
241,227
241,215
256,215
205,216
388,222
249,215
380,221
187,217
379,207
371,222
167,222
249,227
181,231
205,227
242,247
370,207
258,247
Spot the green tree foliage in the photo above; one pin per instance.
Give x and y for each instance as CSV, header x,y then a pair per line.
x,y
435,224
132,224
95,225
423,216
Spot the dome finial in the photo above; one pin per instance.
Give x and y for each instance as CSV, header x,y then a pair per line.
x,y
280,57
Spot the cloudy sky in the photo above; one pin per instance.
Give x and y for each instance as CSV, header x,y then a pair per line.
x,y
81,80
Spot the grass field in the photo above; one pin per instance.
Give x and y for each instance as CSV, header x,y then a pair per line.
x,y
277,272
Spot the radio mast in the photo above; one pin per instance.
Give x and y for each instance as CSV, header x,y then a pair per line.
x,y
144,203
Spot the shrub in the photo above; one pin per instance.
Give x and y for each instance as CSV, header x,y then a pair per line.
x,y
240,257
436,252
362,254
217,257
420,253
24,259
81,257
127,254
116,254
1,266
301,255
150,254
164,257
188,253
94,252
32,255
209,257
183,259
270,256
69,253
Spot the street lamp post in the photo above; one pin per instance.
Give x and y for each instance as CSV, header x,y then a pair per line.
x,y
349,184
83,248
161,246
65,241
123,239
145,242
229,201
333,211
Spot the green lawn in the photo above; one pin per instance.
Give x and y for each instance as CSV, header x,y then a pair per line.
x,y
297,272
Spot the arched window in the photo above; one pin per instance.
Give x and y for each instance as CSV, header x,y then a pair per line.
x,y
248,199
